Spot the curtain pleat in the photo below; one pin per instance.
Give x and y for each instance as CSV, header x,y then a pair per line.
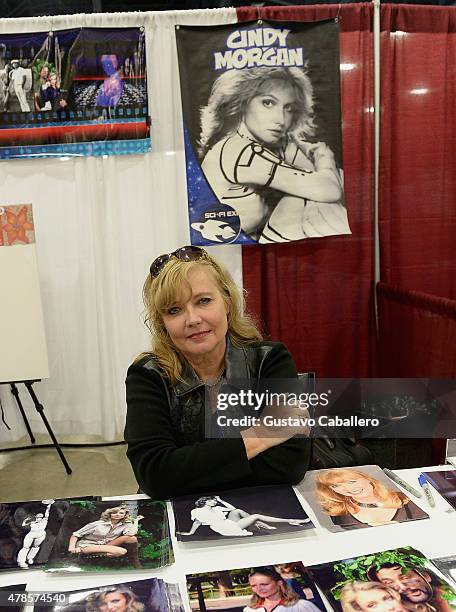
x,y
408,319
417,206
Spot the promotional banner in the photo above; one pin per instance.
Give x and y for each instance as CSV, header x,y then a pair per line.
x,y
262,128
73,92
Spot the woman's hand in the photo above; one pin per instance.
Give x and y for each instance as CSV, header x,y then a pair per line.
x,y
194,527
73,545
278,423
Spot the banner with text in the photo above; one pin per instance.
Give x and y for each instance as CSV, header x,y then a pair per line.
x,y
262,128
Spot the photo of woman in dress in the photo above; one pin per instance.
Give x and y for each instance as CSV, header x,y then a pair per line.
x,y
353,499
227,520
260,156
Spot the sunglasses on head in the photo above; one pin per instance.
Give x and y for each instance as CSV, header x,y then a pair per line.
x,y
185,253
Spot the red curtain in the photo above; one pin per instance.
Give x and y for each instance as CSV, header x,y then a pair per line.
x,y
417,339
315,295
417,207
417,333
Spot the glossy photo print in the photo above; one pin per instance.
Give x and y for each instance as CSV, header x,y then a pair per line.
x,y
447,565
28,531
357,497
262,128
240,513
150,595
249,588
73,92
444,482
398,580
112,535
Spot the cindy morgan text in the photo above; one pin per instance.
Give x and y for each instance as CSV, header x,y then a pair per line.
x,y
259,47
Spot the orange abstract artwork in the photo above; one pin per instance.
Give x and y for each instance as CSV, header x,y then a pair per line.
x,y
16,225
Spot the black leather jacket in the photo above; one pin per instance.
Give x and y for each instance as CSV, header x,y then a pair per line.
x,y
187,399
165,429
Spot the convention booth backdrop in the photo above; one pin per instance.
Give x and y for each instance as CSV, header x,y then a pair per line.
x,y
99,222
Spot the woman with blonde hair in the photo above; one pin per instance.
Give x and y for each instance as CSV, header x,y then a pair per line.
x,y
353,498
117,598
113,535
270,592
358,596
259,155
201,338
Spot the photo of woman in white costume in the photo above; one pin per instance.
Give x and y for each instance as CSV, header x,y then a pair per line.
x,y
35,537
227,520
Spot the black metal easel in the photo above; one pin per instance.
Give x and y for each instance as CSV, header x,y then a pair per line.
x,y
40,409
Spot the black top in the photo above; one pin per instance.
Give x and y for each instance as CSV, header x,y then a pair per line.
x,y
408,512
169,461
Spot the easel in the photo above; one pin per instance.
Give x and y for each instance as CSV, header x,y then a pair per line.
x,y
40,409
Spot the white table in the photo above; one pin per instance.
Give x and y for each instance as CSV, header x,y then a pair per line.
x,y
434,537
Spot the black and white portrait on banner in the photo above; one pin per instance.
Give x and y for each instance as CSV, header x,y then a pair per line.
x,y
262,128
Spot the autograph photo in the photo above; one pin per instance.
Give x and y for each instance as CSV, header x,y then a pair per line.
x,y
28,531
112,535
397,580
283,586
445,483
239,513
151,595
357,497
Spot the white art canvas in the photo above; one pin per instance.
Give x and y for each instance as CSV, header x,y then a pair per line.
x,y
23,351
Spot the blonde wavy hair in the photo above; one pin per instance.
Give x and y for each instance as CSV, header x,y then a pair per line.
x,y
234,89
349,593
336,504
163,291
288,596
96,601
106,515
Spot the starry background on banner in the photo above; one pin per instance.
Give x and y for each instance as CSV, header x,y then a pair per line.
x,y
201,198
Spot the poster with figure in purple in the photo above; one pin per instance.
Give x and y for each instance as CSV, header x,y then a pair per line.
x,y
262,129
73,92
